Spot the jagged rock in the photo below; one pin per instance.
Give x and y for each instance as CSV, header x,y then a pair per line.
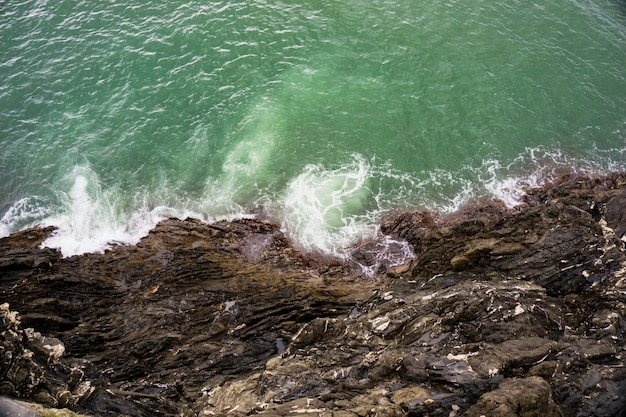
x,y
27,359
527,397
14,408
47,349
523,352
501,312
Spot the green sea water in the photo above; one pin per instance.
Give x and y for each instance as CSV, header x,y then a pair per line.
x,y
321,115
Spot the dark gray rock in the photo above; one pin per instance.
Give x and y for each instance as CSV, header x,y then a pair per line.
x,y
502,312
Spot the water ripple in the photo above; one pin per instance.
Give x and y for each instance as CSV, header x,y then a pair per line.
x,y
164,103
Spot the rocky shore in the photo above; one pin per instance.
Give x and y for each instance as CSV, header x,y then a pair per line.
x,y
502,312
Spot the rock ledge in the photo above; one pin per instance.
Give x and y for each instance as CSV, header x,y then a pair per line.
x,y
502,312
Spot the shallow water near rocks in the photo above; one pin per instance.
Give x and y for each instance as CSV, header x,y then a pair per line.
x,y
321,115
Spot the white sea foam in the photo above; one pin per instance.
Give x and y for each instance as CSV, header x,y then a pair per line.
x,y
508,189
87,222
337,212
510,182
22,213
90,219
325,211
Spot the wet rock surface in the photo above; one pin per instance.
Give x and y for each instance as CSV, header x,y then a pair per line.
x,y
502,312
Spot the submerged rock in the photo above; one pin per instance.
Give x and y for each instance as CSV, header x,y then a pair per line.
x,y
501,312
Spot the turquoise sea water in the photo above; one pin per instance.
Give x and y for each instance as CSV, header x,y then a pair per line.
x,y
320,115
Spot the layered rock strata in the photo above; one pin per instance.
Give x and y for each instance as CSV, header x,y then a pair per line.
x,y
502,312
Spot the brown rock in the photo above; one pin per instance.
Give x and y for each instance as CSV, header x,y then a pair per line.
x,y
527,397
501,312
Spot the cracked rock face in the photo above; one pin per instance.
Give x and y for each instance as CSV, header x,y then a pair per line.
x,y
502,312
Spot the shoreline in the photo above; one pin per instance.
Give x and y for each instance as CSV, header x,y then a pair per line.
x,y
89,223
500,309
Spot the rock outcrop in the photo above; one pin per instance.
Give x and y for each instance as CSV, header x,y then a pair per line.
x,y
502,312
